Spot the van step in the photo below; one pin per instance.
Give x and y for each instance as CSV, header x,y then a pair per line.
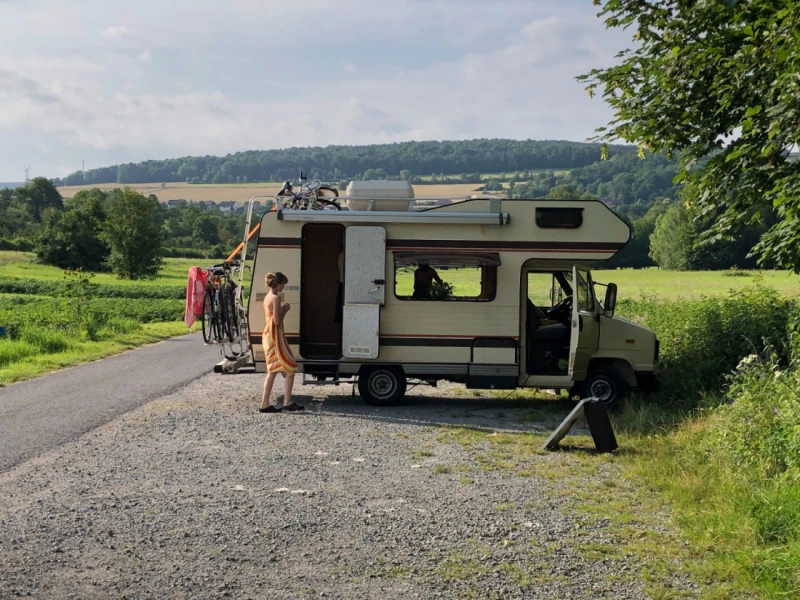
x,y
321,375
309,379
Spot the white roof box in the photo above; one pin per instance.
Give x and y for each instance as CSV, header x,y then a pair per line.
x,y
379,195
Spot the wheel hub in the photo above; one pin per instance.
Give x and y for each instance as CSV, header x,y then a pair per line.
x,y
382,385
601,389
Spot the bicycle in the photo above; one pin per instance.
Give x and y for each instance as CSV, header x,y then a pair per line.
x,y
220,315
313,195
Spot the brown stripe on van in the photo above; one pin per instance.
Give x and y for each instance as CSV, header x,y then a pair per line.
x,y
510,246
438,342
278,242
292,339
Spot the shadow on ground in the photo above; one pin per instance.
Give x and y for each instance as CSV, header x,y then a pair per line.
x,y
445,406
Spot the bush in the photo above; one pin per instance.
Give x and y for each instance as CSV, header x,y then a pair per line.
x,y
760,425
702,340
13,351
124,325
45,341
37,287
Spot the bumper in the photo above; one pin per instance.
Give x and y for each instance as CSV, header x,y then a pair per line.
x,y
647,381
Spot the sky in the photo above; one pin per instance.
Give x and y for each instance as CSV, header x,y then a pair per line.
x,y
111,82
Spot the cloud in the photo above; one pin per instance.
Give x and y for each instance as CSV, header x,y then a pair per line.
x,y
413,70
111,33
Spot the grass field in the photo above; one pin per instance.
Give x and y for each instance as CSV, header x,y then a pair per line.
x,y
42,331
22,265
82,350
243,192
639,283
635,283
507,174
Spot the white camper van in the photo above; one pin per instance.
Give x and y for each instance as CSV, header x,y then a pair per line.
x,y
496,294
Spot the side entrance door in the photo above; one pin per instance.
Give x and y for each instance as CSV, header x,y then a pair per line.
x,y
364,291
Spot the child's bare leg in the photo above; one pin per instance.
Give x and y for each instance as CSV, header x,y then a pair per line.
x,y
287,389
268,381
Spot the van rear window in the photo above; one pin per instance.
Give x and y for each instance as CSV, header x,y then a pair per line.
x,y
559,217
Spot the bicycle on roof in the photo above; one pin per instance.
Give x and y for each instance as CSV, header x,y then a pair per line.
x,y
310,195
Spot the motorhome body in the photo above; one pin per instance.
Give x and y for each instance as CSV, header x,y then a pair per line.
x,y
519,310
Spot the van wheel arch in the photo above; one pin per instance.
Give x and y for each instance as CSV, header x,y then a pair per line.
x,y
382,385
610,380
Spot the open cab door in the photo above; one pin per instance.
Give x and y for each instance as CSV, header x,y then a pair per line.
x,y
364,291
575,330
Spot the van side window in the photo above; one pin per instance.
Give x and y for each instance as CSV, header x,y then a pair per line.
x,y
584,292
444,280
559,217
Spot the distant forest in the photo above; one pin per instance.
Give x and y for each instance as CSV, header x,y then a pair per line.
x,y
335,163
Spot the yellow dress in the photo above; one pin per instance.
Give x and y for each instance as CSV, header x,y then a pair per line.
x,y
276,349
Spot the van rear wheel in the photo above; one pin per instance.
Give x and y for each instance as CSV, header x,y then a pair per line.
x,y
382,386
606,384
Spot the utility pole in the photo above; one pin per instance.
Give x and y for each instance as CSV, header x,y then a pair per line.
x,y
27,169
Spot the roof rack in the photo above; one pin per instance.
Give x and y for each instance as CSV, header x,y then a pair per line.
x,y
493,216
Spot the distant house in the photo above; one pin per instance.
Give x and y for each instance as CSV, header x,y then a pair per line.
x,y
176,202
256,205
206,204
228,206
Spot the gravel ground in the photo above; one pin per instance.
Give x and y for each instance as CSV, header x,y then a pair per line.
x,y
197,495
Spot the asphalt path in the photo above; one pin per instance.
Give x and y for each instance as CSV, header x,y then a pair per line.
x,y
42,413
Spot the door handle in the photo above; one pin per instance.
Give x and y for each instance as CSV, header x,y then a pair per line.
x,y
379,281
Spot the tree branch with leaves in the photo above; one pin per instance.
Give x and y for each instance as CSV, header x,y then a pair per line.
x,y
718,83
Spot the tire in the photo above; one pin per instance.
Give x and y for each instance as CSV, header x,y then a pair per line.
x,y
207,318
327,191
326,197
382,386
229,316
226,335
605,383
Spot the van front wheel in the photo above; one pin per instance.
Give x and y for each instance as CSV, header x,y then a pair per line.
x,y
606,384
382,386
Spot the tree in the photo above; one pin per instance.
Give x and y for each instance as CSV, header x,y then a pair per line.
x,y
717,82
133,234
37,195
567,192
405,174
72,239
205,230
672,241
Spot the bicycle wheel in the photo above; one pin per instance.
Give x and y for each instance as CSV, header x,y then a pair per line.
x,y
207,318
229,313
218,322
326,196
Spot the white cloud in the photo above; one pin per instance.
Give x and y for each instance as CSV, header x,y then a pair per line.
x,y
111,33
412,70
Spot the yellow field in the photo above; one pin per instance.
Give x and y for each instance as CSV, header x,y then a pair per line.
x,y
243,192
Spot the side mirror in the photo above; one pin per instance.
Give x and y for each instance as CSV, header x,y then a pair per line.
x,y
611,300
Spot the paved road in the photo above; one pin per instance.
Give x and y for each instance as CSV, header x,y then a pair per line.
x,y
40,414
